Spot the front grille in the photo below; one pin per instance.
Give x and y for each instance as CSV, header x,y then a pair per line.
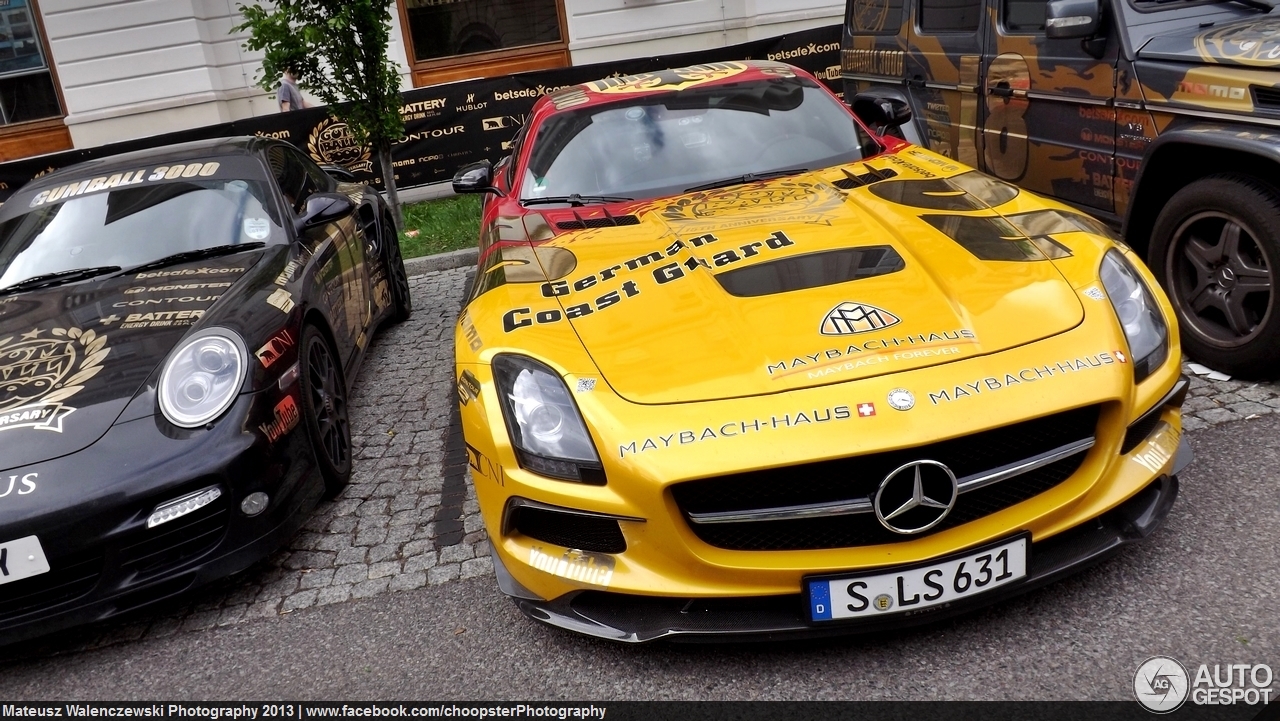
x,y
1264,97
69,578
172,544
857,477
1141,430
608,221
584,533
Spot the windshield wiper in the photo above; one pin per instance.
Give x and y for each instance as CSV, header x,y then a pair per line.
x,y
62,276
748,178
195,255
575,199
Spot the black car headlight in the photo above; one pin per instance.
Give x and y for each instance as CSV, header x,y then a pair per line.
x,y
202,377
546,428
1143,323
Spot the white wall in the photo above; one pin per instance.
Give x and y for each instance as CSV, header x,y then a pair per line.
x,y
134,68
604,30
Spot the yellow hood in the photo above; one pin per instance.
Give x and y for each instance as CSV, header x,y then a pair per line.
x,y
652,302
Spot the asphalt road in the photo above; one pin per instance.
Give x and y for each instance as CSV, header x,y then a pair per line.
x,y
1202,589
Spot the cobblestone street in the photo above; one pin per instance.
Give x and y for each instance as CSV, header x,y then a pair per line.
x,y
409,518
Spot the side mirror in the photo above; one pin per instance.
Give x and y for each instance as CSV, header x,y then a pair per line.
x,y
325,208
338,173
475,178
1072,18
880,112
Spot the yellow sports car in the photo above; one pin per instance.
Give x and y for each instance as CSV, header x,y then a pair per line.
x,y
737,363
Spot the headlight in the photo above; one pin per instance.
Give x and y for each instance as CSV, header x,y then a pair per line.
x,y
202,378
546,428
1138,313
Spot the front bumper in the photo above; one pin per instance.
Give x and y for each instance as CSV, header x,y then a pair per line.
x,y
637,619
90,514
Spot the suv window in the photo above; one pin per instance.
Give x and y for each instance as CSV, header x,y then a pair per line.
x,y
882,17
1024,16
945,16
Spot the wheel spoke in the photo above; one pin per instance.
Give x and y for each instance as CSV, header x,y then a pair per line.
x,y
1205,298
1237,316
1229,242
1202,255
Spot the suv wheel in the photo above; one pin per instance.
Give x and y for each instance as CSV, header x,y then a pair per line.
x,y
1216,250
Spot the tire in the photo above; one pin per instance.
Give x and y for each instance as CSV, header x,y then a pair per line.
x,y
1215,249
401,301
324,410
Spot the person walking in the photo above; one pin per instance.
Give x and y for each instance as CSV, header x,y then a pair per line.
x,y
287,95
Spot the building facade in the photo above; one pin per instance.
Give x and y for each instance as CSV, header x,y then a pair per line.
x,y
83,73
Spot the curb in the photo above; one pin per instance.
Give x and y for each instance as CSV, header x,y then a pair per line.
x,y
441,261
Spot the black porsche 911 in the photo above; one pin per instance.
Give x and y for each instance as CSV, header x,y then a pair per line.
x,y
178,331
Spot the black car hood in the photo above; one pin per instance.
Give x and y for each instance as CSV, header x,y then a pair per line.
x,y
1253,42
72,356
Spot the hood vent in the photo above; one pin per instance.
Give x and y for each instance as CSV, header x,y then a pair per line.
x,y
811,270
607,221
1264,97
852,180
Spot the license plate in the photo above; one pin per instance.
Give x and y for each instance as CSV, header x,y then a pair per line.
x,y
932,584
21,559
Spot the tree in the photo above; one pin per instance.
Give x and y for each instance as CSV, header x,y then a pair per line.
x,y
337,50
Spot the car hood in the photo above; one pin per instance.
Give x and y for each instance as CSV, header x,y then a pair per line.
x,y
1253,42
773,286
72,356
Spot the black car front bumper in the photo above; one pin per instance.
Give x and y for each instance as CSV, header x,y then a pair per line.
x,y
90,514
637,619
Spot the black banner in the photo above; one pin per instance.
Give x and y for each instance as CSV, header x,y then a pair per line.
x,y
447,126
637,711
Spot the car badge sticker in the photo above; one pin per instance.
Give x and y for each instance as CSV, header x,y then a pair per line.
x,y
916,497
901,399
850,318
1120,356
586,385
866,410
281,299
883,602
257,228
38,373
1094,292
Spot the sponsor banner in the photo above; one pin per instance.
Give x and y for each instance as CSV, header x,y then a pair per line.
x,y
447,126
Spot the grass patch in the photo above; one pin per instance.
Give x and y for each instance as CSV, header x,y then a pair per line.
x,y
441,225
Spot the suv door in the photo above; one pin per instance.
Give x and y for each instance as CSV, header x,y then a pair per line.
x,y
1048,119
945,50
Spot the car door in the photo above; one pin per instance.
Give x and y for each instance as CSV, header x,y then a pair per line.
x,y
943,62
1048,120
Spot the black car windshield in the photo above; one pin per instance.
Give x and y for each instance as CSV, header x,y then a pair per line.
x,y
651,146
131,218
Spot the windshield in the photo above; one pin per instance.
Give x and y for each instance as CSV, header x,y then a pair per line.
x,y
102,226
660,145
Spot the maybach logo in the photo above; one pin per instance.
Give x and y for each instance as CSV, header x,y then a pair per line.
x,y
849,318
331,142
38,372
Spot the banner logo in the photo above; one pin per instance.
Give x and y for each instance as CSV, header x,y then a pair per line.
x,y
331,142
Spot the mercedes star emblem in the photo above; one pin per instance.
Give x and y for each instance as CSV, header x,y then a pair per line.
x,y
916,497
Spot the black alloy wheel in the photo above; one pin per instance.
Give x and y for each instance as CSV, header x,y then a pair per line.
x,y
402,303
1216,250
324,407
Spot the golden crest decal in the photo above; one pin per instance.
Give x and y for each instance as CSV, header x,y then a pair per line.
x,y
331,142
41,369
850,318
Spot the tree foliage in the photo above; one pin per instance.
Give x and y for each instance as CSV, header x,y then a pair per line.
x,y
337,50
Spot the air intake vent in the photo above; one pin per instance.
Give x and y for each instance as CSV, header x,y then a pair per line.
x,y
853,180
1264,97
811,270
607,221
585,533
